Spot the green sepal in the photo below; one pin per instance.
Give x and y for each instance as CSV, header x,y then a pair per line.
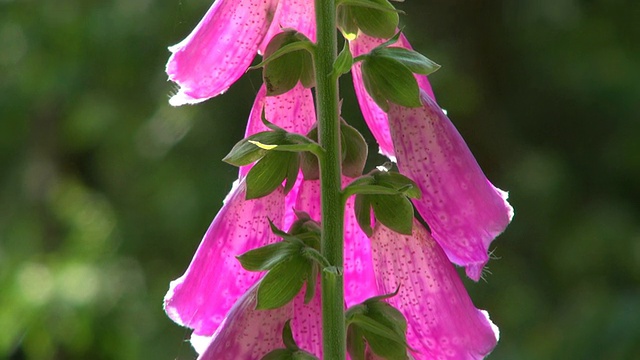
x,y
346,22
393,211
376,18
287,336
266,257
308,162
245,152
269,173
413,60
387,193
311,283
388,80
356,346
343,62
354,150
288,59
381,325
279,354
303,355
282,283
362,210
399,182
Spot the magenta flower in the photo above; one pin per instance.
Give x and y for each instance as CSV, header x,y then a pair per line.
x,y
442,321
216,296
463,209
221,47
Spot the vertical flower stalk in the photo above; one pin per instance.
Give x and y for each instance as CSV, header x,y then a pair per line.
x,y
333,321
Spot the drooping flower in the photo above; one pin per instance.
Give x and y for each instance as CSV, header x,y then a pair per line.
x,y
216,296
222,46
463,209
442,320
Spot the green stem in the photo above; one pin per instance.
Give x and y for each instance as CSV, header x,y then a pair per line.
x,y
333,325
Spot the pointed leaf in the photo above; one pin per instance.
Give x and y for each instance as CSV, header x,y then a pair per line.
x,y
346,22
375,22
343,62
387,79
362,210
266,257
246,151
293,168
414,61
394,211
287,336
282,283
279,354
355,343
355,151
398,182
267,174
303,355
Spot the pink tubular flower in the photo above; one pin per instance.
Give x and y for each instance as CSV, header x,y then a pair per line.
x,y
463,209
442,321
221,47
216,296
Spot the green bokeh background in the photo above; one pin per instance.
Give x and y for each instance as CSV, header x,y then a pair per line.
x,y
106,190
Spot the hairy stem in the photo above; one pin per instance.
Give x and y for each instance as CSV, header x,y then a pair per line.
x,y
333,325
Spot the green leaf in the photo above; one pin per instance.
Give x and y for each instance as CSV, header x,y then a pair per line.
x,y
245,152
287,337
383,340
362,209
346,22
279,354
282,74
356,347
371,190
355,151
388,80
282,44
293,162
303,355
394,211
312,278
266,257
375,22
384,347
343,62
398,182
307,75
282,283
414,61
369,4
267,174
309,162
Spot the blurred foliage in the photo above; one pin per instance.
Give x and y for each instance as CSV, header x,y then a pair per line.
x,y
106,190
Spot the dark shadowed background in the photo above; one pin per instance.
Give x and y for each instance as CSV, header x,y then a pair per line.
x,y
106,190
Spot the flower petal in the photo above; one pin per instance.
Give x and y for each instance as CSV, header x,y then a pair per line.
x,y
359,279
219,49
375,118
215,279
292,14
442,320
306,324
247,333
293,111
463,209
